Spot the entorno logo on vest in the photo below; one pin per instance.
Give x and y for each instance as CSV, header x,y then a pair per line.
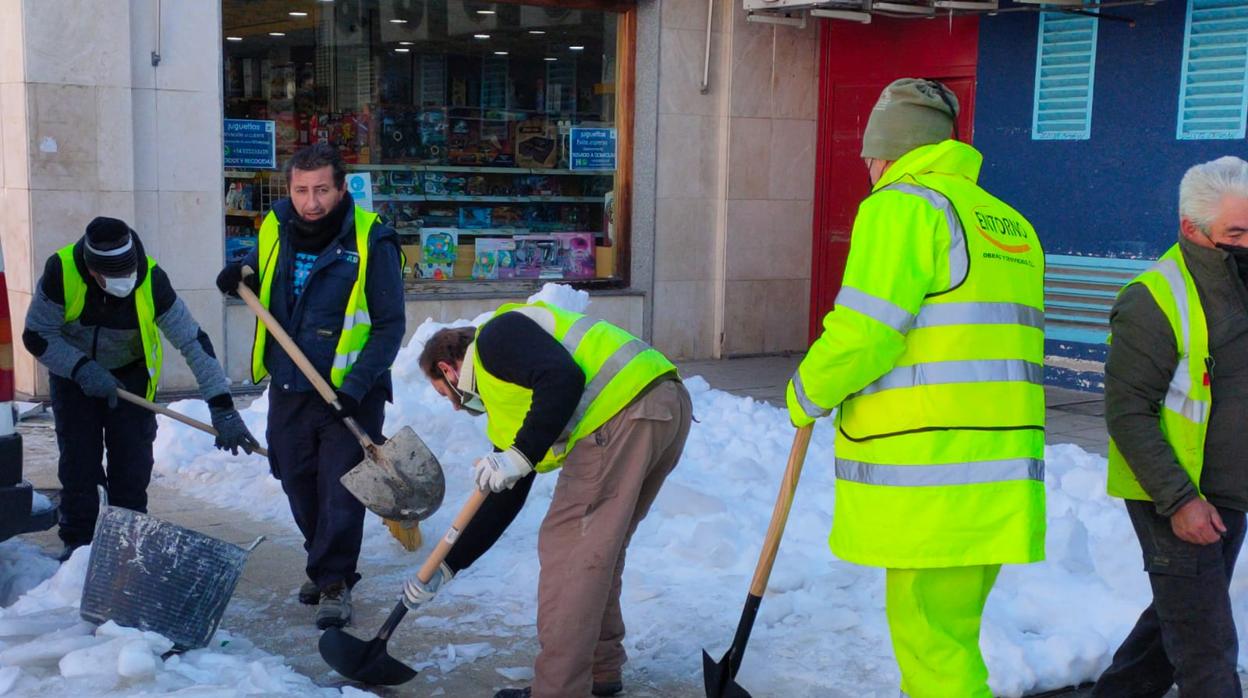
x,y
1006,233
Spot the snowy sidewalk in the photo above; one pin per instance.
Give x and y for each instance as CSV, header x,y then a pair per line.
x,y
821,631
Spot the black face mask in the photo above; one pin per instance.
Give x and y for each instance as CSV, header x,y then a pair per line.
x,y
1240,255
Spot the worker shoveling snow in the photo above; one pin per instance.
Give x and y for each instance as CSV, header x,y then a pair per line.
x,y
821,630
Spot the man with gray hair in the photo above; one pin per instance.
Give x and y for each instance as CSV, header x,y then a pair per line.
x,y
1176,402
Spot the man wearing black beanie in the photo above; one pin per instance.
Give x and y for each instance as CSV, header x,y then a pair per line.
x,y
95,323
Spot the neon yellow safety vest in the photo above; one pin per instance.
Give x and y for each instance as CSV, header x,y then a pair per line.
x,y
1186,407
144,306
356,323
939,460
617,367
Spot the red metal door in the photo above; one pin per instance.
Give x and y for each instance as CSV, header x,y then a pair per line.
x,y
856,62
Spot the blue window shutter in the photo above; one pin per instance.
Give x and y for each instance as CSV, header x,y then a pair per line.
x,y
1065,68
1213,93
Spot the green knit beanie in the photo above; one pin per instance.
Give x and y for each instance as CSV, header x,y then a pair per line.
x,y
910,113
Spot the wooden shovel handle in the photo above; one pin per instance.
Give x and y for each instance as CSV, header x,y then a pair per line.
x,y
178,416
452,534
780,514
297,355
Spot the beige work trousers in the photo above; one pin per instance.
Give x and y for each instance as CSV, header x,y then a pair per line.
x,y
605,488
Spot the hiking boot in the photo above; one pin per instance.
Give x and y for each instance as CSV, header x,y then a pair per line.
x,y
607,688
309,593
514,693
335,608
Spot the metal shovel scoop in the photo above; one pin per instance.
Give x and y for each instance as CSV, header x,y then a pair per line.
x,y
399,479
368,661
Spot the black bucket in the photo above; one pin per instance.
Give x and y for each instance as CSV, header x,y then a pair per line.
x,y
153,575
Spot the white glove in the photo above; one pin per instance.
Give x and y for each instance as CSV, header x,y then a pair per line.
x,y
501,471
417,593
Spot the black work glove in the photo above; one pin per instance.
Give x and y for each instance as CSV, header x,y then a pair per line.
x,y
349,405
232,433
96,381
232,275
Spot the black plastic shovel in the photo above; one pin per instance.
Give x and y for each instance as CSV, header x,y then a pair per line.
x,y
369,662
720,677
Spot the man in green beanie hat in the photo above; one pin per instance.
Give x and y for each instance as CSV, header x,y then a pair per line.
x,y
934,353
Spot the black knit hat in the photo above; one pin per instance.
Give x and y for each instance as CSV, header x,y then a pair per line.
x,y
109,247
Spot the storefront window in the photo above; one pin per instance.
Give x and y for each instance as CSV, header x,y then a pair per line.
x,y
486,134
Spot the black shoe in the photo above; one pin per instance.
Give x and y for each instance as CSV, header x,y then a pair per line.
x,y
514,693
66,552
335,608
309,593
607,688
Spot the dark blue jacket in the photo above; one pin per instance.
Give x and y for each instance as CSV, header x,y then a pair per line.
x,y
315,320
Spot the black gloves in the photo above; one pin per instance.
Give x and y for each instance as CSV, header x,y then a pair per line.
x,y
232,433
231,275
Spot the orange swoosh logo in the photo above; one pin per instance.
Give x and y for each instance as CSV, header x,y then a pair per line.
x,y
1012,249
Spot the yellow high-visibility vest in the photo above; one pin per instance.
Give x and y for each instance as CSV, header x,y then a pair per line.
x,y
1186,407
940,460
144,306
356,323
617,367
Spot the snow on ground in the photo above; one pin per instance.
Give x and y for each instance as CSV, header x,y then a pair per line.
x,y
822,622
46,649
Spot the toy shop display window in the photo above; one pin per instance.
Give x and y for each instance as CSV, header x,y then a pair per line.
x,y
494,137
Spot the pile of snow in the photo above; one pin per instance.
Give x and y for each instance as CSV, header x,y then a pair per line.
x,y
47,650
821,629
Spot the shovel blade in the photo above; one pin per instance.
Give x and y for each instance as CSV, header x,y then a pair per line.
x,y
718,680
417,491
366,662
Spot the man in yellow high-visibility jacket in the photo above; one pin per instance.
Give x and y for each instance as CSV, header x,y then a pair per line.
x,y
563,391
934,353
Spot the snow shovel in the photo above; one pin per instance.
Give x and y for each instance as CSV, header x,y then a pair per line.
x,y
720,676
177,416
399,479
369,662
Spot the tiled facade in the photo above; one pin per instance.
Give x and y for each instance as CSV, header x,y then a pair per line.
x,y
722,219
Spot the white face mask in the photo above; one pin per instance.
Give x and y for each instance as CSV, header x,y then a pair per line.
x,y
120,286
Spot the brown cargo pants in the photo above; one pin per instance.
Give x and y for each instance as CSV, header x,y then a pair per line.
x,y
605,488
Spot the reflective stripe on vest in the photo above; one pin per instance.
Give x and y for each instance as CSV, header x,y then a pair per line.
x,y
356,322
571,341
75,288
617,367
945,372
959,257
1186,406
810,407
1179,394
942,474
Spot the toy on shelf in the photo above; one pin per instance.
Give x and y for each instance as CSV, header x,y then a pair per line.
x,y
438,253
576,255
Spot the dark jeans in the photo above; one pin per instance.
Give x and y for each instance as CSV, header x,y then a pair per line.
x,y
85,429
309,449
1187,635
